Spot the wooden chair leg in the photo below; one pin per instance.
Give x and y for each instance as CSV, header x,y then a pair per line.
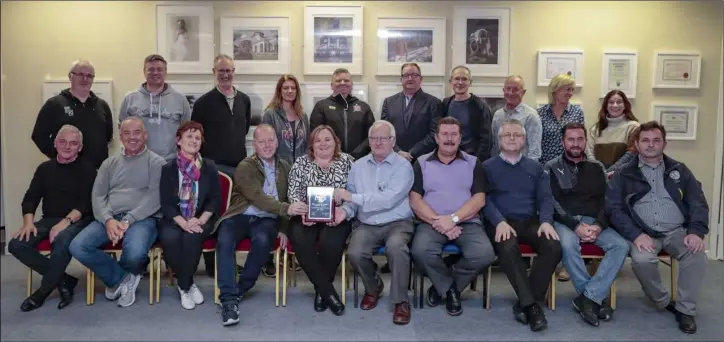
x,y
276,277
285,267
151,276
216,279
612,295
552,293
29,285
674,277
88,285
344,278
421,296
158,275
355,288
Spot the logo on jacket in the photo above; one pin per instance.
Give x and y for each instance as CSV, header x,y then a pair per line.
x,y
356,108
561,171
68,110
332,107
675,175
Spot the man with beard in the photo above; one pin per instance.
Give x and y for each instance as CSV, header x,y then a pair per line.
x,y
656,203
579,189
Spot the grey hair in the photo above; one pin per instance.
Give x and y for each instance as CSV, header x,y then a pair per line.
x,y
511,122
80,63
223,57
517,79
133,118
385,123
69,129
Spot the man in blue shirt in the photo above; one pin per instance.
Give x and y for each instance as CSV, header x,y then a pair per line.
x,y
377,191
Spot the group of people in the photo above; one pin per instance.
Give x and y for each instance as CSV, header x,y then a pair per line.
x,y
431,172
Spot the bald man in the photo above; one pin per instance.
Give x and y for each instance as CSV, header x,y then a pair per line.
x,y
515,109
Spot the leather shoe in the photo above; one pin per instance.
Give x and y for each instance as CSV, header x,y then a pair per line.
x,y
35,300
687,323
587,308
519,314
401,313
433,298
369,301
605,312
335,305
66,289
319,304
536,319
453,306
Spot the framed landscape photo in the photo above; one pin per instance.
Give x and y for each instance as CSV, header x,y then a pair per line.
x,y
619,72
680,70
258,45
481,40
554,62
332,39
191,89
680,121
417,40
387,89
313,92
102,88
185,37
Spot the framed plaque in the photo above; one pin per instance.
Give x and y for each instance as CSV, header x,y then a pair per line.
x,y
320,201
680,120
677,70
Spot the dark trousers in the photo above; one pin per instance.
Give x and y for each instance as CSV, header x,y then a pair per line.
x,y
529,288
319,250
182,250
52,268
262,232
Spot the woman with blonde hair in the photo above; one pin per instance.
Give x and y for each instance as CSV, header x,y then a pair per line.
x,y
608,138
286,114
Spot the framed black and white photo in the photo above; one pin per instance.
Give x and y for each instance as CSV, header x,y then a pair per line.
x,y
491,93
384,90
619,72
191,89
417,40
313,92
680,121
554,62
332,39
481,40
258,45
102,88
260,94
677,70
185,37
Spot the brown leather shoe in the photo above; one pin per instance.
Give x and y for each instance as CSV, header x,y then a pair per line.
x,y
401,313
369,301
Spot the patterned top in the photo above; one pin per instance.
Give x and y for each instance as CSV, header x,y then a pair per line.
x,y
551,145
305,172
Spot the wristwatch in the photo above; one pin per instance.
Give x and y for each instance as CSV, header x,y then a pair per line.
x,y
455,218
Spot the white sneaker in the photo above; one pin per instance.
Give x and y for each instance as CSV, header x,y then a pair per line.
x,y
196,295
112,293
186,301
128,290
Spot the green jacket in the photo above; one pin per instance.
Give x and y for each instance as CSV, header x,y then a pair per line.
x,y
248,190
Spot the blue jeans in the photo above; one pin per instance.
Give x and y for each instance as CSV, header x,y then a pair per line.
x,y
137,241
262,232
595,288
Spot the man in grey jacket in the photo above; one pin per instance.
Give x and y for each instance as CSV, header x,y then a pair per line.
x,y
125,199
159,105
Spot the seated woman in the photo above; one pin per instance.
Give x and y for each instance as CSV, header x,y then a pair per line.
x,y
190,199
319,246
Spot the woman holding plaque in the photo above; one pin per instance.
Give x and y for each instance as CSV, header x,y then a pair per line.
x,y
319,237
608,138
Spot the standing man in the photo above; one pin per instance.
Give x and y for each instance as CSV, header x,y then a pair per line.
x,y
349,117
80,107
656,203
515,109
414,113
161,108
378,187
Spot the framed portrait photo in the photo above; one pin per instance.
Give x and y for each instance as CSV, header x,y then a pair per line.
x,y
191,89
680,121
418,40
102,88
481,40
185,37
258,45
384,90
619,72
554,62
313,92
332,39
674,70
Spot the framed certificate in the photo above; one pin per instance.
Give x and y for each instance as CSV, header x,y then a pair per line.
x,y
677,70
554,62
320,201
680,121
619,72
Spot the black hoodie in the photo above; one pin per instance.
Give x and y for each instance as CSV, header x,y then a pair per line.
x,y
93,118
350,118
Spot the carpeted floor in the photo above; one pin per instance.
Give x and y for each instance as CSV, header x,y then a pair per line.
x,y
635,319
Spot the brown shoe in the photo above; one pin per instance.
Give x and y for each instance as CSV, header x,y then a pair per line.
x,y
369,301
401,314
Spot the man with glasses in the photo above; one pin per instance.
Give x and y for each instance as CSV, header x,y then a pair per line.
x,y
377,191
80,107
513,92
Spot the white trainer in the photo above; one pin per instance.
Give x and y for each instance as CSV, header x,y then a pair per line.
x,y
128,290
186,301
196,295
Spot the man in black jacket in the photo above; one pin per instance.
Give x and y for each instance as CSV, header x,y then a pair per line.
x,y
349,117
80,107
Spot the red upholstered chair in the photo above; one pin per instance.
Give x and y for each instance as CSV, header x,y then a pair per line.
x,y
289,251
116,251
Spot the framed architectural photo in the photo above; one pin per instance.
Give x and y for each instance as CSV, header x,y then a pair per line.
x,y
619,72
332,39
185,37
492,93
481,40
387,89
313,92
258,45
677,70
102,89
680,121
554,62
418,40
260,94
191,89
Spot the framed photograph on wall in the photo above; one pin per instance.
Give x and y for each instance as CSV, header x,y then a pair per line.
x,y
384,90
680,70
313,92
332,39
680,121
418,40
102,89
185,37
258,45
481,40
191,89
554,62
619,72
491,93
260,94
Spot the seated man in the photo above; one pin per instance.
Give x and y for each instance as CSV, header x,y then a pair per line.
x,y
656,203
447,195
64,184
379,185
125,199
520,209
257,202
579,190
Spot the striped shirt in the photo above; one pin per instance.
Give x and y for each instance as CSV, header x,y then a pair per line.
x,y
657,209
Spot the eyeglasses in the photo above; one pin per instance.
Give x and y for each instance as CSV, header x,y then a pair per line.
x,y
413,76
382,139
511,135
82,75
225,71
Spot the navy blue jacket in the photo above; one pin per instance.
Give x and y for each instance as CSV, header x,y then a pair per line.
x,y
209,190
629,185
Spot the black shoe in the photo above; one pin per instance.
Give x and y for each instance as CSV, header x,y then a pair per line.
x,y
687,323
605,313
66,289
269,270
386,268
536,319
587,308
453,306
35,300
319,304
433,298
229,314
334,304
519,314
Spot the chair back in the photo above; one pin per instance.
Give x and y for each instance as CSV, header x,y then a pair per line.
x,y
226,183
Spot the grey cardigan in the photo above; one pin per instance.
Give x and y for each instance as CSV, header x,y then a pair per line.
x,y
292,143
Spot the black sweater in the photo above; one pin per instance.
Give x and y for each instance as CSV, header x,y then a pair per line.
x,y
585,195
350,118
224,131
62,188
